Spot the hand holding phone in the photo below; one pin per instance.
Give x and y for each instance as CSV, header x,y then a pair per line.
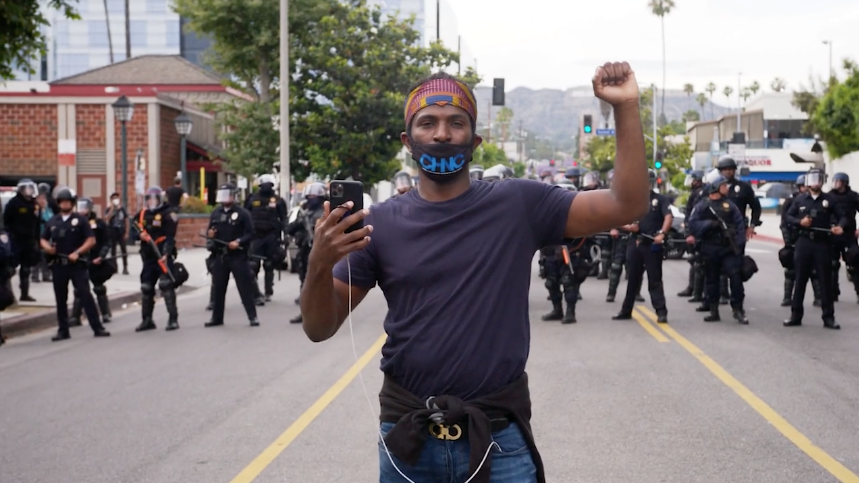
x,y
341,229
345,191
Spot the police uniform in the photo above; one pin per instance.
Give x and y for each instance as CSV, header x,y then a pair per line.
x,y
98,273
848,200
302,229
695,288
720,227
22,219
643,254
67,236
231,223
269,215
813,251
158,220
743,196
7,298
569,267
789,234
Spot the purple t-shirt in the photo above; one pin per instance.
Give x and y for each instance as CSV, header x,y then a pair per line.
x,y
456,276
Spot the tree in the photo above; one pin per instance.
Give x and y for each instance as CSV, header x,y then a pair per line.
x,y
778,84
692,115
503,118
755,87
661,8
21,32
727,92
836,115
745,94
710,90
471,78
689,89
488,155
702,101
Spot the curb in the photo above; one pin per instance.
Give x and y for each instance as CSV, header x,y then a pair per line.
x,y
47,318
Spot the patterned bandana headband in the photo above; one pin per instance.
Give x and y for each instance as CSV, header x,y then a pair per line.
x,y
440,92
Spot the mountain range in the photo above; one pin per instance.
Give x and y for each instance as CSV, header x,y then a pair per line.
x,y
557,114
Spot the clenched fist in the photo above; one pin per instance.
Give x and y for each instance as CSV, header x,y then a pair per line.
x,y
615,83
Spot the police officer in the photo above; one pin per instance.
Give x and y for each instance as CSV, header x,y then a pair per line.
x,y
574,174
695,289
644,252
789,234
848,200
157,225
497,173
617,254
67,239
269,216
476,172
303,228
403,183
231,232
100,268
743,196
22,218
813,213
720,227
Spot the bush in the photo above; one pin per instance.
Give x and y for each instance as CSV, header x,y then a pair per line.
x,y
196,205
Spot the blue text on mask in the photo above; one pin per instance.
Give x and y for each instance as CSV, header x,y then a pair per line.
x,y
443,165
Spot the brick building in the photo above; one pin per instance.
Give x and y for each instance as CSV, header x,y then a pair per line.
x,y
74,115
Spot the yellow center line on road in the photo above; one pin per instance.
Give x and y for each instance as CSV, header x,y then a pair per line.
x,y
269,454
646,325
830,464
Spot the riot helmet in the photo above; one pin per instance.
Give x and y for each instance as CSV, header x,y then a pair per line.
x,y
65,196
27,188
403,182
44,189
493,174
84,206
727,167
716,184
568,185
226,194
814,179
314,195
266,184
800,180
476,172
574,174
154,197
840,181
692,177
591,180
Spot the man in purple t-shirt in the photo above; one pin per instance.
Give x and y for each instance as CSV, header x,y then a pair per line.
x,y
454,257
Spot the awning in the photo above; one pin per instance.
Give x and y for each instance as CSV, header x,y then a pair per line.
x,y
786,176
205,162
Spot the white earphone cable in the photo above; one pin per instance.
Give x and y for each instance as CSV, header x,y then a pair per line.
x,y
370,402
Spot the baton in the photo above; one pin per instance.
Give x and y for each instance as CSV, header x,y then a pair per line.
x,y
219,241
154,246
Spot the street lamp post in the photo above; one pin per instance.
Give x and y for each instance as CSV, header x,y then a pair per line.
x,y
285,178
183,124
829,43
123,109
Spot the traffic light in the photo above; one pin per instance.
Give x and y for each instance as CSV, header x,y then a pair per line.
x,y
552,163
588,124
498,92
658,161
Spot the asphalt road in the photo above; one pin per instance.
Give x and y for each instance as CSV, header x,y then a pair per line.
x,y
613,402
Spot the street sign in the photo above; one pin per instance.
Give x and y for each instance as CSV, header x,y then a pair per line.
x,y
605,132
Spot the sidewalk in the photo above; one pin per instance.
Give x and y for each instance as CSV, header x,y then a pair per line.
x,y
122,290
769,230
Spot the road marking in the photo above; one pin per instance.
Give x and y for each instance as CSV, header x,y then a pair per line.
x,y
269,454
646,325
802,442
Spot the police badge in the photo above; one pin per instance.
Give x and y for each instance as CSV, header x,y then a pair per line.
x,y
74,222
174,216
737,189
235,216
654,202
726,206
826,203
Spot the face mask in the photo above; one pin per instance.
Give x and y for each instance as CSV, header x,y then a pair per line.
x,y
115,202
441,161
152,204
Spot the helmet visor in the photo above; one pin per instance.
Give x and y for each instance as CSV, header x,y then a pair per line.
x,y
814,179
592,178
403,182
82,207
224,196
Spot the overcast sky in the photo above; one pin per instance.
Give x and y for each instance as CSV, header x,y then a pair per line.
x,y
559,43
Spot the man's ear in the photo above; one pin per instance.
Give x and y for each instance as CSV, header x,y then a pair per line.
x,y
404,138
476,141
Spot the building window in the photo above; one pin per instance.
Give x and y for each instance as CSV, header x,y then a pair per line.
x,y
173,33
61,34
97,31
116,7
72,64
156,6
138,34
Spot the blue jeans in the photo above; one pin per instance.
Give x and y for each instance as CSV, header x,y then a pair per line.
x,y
447,461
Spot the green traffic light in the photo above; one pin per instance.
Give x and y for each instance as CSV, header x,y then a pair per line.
x,y
658,165
587,129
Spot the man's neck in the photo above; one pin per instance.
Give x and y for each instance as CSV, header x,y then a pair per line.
x,y
436,192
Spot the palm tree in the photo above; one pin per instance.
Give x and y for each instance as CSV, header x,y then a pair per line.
x,y
711,89
755,87
702,101
778,84
745,94
661,8
689,89
728,91
109,38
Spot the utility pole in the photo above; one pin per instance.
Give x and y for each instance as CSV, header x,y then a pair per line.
x,y
831,72
285,178
653,117
459,55
438,20
739,106
489,119
127,36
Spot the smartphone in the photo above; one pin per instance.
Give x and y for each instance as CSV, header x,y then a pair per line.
x,y
343,191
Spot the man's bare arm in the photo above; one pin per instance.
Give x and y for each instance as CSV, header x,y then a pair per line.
x,y
600,210
325,302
